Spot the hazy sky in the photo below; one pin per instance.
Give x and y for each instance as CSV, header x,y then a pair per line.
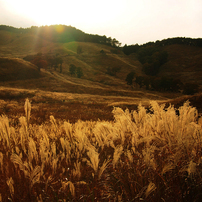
x,y
129,21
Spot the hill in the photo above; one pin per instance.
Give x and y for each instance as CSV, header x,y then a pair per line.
x,y
15,69
170,65
184,63
104,67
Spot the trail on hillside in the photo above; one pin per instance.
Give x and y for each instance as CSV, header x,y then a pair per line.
x,y
63,78
137,94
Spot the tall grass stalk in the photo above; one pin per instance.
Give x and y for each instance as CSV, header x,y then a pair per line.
x,y
149,156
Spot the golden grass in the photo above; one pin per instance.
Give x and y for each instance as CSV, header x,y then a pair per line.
x,y
138,156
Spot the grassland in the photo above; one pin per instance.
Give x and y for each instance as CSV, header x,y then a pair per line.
x,y
96,138
139,156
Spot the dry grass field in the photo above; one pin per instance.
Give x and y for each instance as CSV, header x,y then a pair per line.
x,y
138,156
95,138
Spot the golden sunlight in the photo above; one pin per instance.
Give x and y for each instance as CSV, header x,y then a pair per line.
x,y
65,12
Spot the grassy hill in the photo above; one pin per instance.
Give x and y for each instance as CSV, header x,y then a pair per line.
x,y
93,63
98,90
68,141
184,62
16,69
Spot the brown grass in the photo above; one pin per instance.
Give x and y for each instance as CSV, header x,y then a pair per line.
x,y
66,106
137,156
14,69
77,145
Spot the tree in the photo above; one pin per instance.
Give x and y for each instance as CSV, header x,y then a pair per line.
x,y
140,81
102,52
55,61
72,69
170,84
115,43
151,58
79,50
190,88
130,49
39,62
59,61
163,57
130,77
79,72
112,71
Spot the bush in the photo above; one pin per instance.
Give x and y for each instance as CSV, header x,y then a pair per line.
x,y
113,70
79,72
130,77
72,69
40,63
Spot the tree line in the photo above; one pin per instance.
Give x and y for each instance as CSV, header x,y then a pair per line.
x,y
63,34
152,56
55,62
45,61
129,49
161,84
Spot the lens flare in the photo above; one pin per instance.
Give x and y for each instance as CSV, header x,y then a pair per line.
x,y
59,28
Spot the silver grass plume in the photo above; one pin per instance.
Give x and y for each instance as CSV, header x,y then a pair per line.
x,y
10,183
151,187
27,108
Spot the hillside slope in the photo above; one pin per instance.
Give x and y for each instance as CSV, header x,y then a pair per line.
x,y
16,69
97,62
184,62
99,89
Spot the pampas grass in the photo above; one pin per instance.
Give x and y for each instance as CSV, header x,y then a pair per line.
x,y
148,156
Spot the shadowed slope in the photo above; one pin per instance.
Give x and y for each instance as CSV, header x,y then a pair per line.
x,y
13,69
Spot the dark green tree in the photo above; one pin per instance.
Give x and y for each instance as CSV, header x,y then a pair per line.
x,y
79,72
130,49
59,62
190,88
140,81
151,58
72,69
115,43
113,70
130,77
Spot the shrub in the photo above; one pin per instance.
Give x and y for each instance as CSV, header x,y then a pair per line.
x,y
113,70
40,63
72,69
79,72
130,77
102,52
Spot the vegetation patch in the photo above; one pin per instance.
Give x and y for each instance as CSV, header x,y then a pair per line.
x,y
137,156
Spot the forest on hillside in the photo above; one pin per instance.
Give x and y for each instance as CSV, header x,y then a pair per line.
x,y
63,34
128,49
153,56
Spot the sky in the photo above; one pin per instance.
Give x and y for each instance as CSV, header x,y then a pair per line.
x,y
129,21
